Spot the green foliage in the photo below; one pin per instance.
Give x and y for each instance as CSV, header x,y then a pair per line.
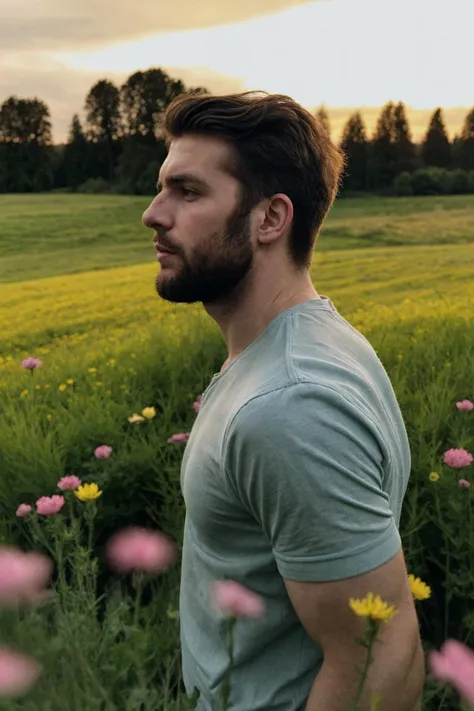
x,y
428,182
101,648
403,185
434,181
460,184
94,186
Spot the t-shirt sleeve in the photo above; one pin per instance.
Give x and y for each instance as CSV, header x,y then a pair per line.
x,y
308,465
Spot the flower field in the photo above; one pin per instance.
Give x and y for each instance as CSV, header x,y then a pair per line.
x,y
95,428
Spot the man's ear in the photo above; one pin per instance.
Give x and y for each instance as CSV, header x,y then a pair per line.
x,y
276,218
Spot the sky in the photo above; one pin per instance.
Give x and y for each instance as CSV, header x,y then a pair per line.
x,y
344,54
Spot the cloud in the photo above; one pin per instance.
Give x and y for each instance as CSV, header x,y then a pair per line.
x,y
68,25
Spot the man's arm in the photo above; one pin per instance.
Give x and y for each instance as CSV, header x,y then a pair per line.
x,y
397,674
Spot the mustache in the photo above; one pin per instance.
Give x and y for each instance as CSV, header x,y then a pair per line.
x,y
164,244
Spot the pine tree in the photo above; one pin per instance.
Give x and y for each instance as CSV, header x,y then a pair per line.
x,y
323,118
436,147
404,147
354,144
75,155
466,147
382,149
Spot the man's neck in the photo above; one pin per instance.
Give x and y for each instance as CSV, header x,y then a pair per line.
x,y
243,320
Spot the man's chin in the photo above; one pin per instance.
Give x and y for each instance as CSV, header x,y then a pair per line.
x,y
172,293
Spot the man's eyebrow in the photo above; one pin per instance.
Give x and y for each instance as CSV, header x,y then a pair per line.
x,y
184,178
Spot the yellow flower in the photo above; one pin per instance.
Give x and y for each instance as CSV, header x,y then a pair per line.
x,y
92,370
24,393
419,589
112,361
70,381
49,417
88,492
37,387
62,387
434,476
373,607
149,412
135,419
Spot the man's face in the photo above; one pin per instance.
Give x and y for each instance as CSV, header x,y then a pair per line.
x,y
206,249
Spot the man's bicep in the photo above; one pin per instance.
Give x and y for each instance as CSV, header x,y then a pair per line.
x,y
310,470
324,610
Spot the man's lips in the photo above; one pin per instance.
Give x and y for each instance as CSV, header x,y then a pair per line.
x,y
161,248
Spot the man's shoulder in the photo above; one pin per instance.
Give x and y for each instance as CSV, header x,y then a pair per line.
x,y
294,405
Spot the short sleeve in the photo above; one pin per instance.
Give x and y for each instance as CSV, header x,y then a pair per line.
x,y
309,467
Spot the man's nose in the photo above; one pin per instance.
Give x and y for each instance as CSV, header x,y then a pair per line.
x,y
157,216
148,218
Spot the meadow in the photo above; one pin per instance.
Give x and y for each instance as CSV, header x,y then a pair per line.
x,y
77,291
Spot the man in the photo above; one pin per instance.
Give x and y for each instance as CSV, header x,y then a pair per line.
x,y
298,461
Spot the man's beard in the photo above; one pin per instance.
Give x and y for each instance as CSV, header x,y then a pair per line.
x,y
215,269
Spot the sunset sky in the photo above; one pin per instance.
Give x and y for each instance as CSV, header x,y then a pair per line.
x,y
345,54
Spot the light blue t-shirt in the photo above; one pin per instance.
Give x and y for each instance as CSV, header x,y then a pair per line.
x,y
296,467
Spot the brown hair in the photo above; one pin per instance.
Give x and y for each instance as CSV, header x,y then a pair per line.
x,y
278,147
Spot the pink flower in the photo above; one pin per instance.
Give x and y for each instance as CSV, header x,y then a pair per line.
x,y
103,452
69,483
180,437
464,484
31,363
457,458
197,404
22,575
23,510
49,505
455,664
465,405
233,599
17,672
136,548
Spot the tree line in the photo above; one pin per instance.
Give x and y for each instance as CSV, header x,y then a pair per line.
x,y
119,147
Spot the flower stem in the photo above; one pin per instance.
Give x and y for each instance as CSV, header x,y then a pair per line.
x,y
90,513
370,635
138,598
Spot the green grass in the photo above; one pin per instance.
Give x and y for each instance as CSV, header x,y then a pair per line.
x,y
78,292
47,235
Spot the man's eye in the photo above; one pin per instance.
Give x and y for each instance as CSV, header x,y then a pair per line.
x,y
187,192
